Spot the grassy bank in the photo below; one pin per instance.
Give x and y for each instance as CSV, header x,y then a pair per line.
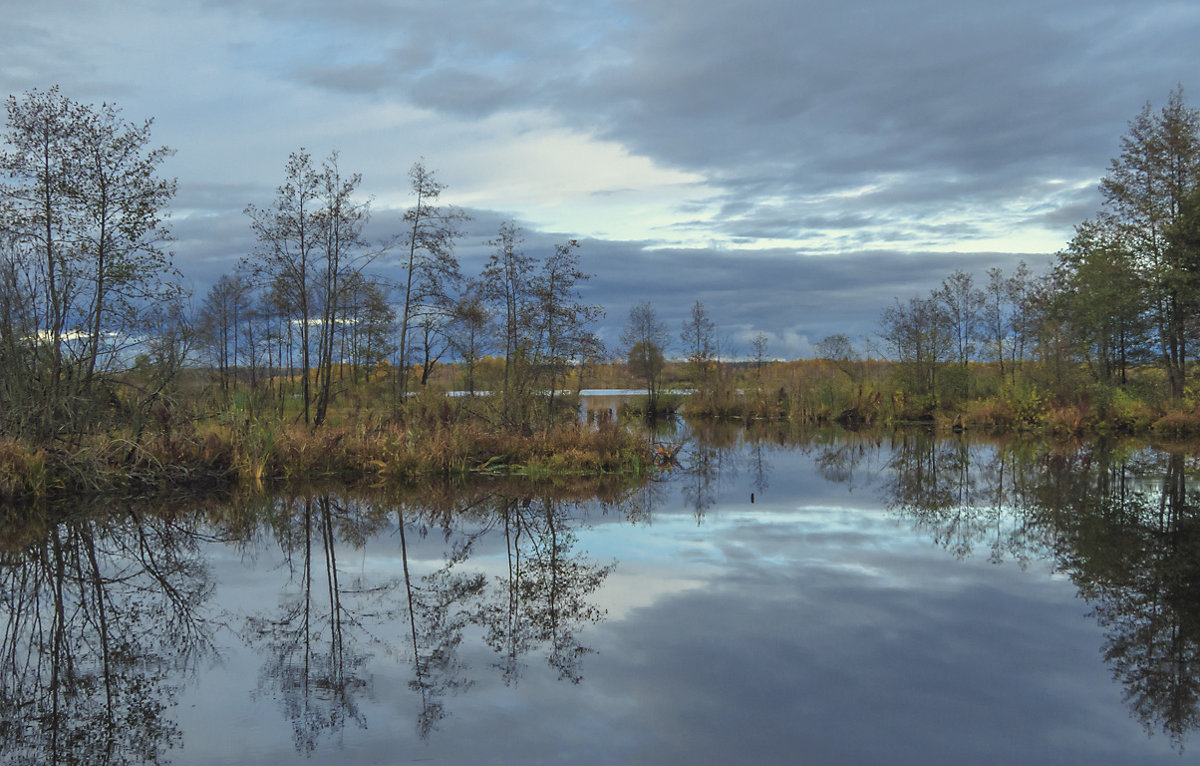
x,y
219,455
811,395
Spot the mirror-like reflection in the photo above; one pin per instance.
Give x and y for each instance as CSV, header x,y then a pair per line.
x,y
359,617
328,625
315,658
1123,524
104,619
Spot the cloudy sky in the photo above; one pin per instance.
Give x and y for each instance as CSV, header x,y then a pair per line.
x,y
794,165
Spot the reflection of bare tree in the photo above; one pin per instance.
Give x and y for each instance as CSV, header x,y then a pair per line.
x,y
438,611
312,640
101,620
314,659
101,614
703,468
966,495
838,459
760,468
637,505
542,601
708,459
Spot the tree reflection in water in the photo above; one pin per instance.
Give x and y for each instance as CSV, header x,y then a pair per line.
x,y
709,459
102,623
438,608
104,613
1132,546
963,497
1123,524
542,601
317,639
311,661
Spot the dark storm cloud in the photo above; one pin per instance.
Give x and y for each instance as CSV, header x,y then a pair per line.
x,y
935,103
210,232
878,87
795,300
889,135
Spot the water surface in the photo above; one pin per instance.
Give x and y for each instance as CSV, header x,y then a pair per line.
x,y
777,597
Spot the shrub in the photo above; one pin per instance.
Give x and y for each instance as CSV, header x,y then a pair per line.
x,y
1126,413
1177,423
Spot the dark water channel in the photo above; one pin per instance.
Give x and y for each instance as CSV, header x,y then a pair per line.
x,y
820,597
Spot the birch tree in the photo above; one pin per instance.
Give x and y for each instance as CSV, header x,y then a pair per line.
x,y
562,319
508,287
645,339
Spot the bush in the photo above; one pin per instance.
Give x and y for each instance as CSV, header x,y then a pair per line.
x,y
1128,414
1177,423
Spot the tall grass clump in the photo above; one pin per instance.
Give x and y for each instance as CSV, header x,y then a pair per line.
x,y
24,472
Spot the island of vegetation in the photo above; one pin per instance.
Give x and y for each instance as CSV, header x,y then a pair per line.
x,y
304,362
299,364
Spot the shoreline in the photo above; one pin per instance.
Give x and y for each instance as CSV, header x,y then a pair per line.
x,y
258,455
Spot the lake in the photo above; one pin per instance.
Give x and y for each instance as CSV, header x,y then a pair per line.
x,y
780,596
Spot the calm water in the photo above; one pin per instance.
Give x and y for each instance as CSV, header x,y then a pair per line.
x,y
806,598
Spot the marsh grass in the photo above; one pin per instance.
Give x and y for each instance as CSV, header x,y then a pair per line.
x,y
221,454
817,393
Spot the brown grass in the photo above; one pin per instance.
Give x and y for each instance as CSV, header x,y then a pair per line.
x,y
1177,423
371,453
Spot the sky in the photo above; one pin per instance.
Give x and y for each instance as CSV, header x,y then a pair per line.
x,y
796,166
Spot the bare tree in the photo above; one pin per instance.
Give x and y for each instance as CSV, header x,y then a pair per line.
x,y
431,271
645,339
698,336
470,322
84,267
997,312
225,308
309,246
840,350
368,322
508,286
962,303
289,237
562,319
758,347
920,339
341,220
